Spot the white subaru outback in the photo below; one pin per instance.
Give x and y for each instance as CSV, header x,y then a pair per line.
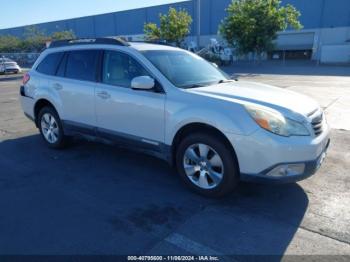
x,y
173,104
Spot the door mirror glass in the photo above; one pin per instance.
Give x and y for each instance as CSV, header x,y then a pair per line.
x,y
142,83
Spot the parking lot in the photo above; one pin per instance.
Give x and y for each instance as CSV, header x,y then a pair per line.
x,y
94,199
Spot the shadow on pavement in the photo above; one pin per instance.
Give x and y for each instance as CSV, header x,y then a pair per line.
x,y
98,199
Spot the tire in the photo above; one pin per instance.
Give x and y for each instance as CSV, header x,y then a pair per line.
x,y
221,174
51,129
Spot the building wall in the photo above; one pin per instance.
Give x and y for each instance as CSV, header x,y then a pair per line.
x,y
315,14
327,21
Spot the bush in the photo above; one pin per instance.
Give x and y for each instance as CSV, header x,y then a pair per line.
x,y
33,40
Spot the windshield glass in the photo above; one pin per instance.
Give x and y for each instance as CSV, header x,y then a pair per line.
x,y
185,69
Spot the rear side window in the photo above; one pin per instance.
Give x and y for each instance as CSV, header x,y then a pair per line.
x,y
62,67
50,63
81,65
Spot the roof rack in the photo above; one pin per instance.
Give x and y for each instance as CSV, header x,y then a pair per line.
x,y
88,41
158,42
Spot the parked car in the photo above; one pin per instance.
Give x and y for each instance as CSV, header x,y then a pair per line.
x,y
175,105
9,66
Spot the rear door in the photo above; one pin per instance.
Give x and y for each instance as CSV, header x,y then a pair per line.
x,y
75,84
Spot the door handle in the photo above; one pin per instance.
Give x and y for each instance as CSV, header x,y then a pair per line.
x,y
58,86
104,95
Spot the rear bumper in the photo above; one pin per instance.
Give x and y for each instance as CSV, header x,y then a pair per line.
x,y
27,104
13,69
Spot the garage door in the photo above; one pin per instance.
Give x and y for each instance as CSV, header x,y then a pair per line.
x,y
295,41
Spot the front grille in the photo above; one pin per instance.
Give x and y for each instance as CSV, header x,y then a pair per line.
x,y
317,124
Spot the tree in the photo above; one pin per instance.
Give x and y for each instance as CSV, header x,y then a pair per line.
x,y
252,25
174,27
34,39
9,44
63,35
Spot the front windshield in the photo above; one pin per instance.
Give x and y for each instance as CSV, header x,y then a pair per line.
x,y
185,69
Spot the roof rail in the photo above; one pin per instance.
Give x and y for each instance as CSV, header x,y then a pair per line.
x,y
158,42
89,41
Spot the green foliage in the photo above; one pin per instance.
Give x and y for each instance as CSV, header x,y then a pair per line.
x,y
9,44
63,35
252,25
174,27
34,40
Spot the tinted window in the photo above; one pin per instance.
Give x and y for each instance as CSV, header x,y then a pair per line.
x,y
49,65
62,67
81,65
119,69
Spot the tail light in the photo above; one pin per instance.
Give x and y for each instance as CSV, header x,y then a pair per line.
x,y
26,78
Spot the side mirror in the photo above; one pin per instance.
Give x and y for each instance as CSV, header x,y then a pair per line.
x,y
142,83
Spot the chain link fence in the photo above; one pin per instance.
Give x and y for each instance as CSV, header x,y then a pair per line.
x,y
24,60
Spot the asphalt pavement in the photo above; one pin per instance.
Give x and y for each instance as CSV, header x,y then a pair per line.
x,y
94,199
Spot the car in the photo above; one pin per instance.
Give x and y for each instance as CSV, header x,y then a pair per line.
x,y
174,105
9,66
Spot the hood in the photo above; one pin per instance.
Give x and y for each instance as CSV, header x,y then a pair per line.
x,y
265,95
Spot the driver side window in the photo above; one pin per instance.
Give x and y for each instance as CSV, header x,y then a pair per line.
x,y
119,69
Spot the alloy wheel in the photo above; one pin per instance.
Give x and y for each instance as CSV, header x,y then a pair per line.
x,y
203,166
49,128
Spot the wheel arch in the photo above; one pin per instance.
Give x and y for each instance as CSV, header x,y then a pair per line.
x,y
40,104
200,128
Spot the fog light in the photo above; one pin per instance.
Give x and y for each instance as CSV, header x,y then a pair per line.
x,y
287,170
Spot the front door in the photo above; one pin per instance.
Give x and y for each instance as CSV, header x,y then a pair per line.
x,y
125,113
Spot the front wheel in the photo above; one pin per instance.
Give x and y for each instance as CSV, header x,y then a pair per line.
x,y
207,165
51,128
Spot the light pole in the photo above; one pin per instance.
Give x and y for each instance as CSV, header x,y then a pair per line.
x,y
198,22
319,44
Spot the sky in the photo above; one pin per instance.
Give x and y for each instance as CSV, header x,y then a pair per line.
x,y
15,13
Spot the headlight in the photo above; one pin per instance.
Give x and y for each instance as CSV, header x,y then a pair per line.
x,y
276,123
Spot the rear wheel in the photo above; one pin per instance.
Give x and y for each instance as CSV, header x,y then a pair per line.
x,y
51,128
207,165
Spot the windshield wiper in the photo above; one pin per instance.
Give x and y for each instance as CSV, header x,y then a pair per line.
x,y
223,81
193,86
208,84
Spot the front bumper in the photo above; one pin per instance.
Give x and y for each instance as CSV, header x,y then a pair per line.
x,y
262,152
311,167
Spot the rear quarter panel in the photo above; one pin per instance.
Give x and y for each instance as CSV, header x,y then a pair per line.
x,y
38,88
